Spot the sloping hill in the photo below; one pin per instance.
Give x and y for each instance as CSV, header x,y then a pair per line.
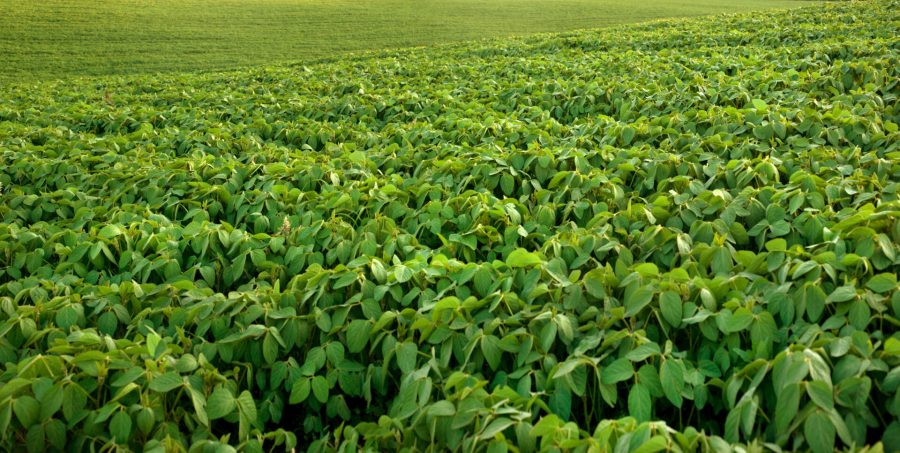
x,y
63,38
677,235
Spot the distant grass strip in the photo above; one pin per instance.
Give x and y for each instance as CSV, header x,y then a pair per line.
x,y
59,38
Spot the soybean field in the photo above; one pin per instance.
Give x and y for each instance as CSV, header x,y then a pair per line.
x,y
682,235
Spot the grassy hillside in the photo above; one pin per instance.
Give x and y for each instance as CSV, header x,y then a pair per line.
x,y
678,235
58,38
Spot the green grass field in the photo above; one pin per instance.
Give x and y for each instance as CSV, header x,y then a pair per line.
x,y
57,38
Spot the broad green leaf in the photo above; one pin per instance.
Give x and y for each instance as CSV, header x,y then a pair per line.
x,y
27,410
655,444
300,391
270,348
561,402
220,403
786,407
639,403
442,408
406,356
166,382
642,352
647,270
110,231
882,283
320,388
153,340
636,300
593,283
842,294
671,376
357,335
671,308
819,432
523,258
66,317
821,394
495,427
199,403
736,322
490,347
247,413
120,427
617,371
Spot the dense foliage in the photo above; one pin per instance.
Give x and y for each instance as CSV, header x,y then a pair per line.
x,y
681,235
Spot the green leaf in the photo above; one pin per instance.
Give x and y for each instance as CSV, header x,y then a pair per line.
x,y
55,430
764,131
593,283
892,346
120,427
523,258
786,407
50,396
34,439
507,184
490,347
642,352
842,294
639,404
406,356
655,444
166,382
547,425
495,427
300,391
561,402
145,420
556,267
153,340
818,368
636,300
627,134
320,388
733,424
815,301
618,371
819,432
247,414
66,317
731,323
671,308
270,348
357,335
803,269
199,403
27,410
110,231
821,394
882,283
442,408
760,105
357,157
403,273
671,376
776,245
74,401
647,270
220,403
